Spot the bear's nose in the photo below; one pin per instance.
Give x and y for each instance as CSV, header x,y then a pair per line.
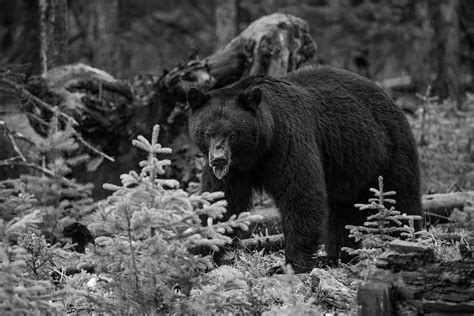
x,y
218,162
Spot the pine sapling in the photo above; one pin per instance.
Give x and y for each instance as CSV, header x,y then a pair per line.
x,y
25,286
154,225
381,227
39,255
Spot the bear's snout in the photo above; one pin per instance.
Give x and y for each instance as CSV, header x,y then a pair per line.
x,y
219,162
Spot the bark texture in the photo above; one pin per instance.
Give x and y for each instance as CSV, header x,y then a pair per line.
x,y
272,45
408,278
102,35
53,34
227,24
446,36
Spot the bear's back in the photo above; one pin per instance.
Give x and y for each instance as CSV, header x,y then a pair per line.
x,y
318,75
340,88
325,78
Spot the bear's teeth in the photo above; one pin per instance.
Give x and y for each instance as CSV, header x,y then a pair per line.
x,y
220,173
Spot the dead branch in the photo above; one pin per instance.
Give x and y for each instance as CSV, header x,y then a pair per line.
x,y
22,92
18,162
92,148
16,148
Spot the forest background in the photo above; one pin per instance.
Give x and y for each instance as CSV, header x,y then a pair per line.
x,y
53,169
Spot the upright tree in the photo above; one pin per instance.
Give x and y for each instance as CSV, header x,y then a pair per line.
x,y
103,25
466,18
227,26
444,17
53,33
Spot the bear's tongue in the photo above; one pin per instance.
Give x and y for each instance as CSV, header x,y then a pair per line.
x,y
220,172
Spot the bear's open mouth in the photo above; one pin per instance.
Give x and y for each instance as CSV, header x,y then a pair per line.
x,y
220,172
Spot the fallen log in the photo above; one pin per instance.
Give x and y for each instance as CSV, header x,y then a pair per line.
x,y
403,82
407,82
408,279
109,113
441,205
444,203
269,229
273,45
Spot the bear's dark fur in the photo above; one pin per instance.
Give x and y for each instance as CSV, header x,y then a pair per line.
x,y
316,141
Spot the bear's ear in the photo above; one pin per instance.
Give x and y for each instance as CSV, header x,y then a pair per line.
x,y
196,98
251,99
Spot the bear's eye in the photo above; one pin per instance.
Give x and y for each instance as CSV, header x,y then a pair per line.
x,y
207,135
232,136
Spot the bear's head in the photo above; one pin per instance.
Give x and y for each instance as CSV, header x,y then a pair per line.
x,y
224,124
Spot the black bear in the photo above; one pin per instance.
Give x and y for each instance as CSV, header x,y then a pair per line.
x,y
315,141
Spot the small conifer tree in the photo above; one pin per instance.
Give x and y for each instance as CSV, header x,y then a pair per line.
x,y
380,228
155,224
56,196
24,268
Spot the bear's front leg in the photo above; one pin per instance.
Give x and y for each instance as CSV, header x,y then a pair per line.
x,y
304,220
209,182
304,210
237,187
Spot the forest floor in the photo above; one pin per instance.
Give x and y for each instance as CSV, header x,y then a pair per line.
x,y
160,277
445,136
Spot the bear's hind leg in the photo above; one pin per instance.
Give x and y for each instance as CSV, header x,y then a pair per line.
x,y
342,214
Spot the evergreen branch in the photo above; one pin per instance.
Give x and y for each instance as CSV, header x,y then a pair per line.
x,y
230,225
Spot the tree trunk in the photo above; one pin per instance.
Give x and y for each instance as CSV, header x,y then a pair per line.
x,y
53,32
102,35
466,18
446,36
227,24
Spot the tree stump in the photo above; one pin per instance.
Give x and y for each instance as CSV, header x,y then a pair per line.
x,y
408,280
